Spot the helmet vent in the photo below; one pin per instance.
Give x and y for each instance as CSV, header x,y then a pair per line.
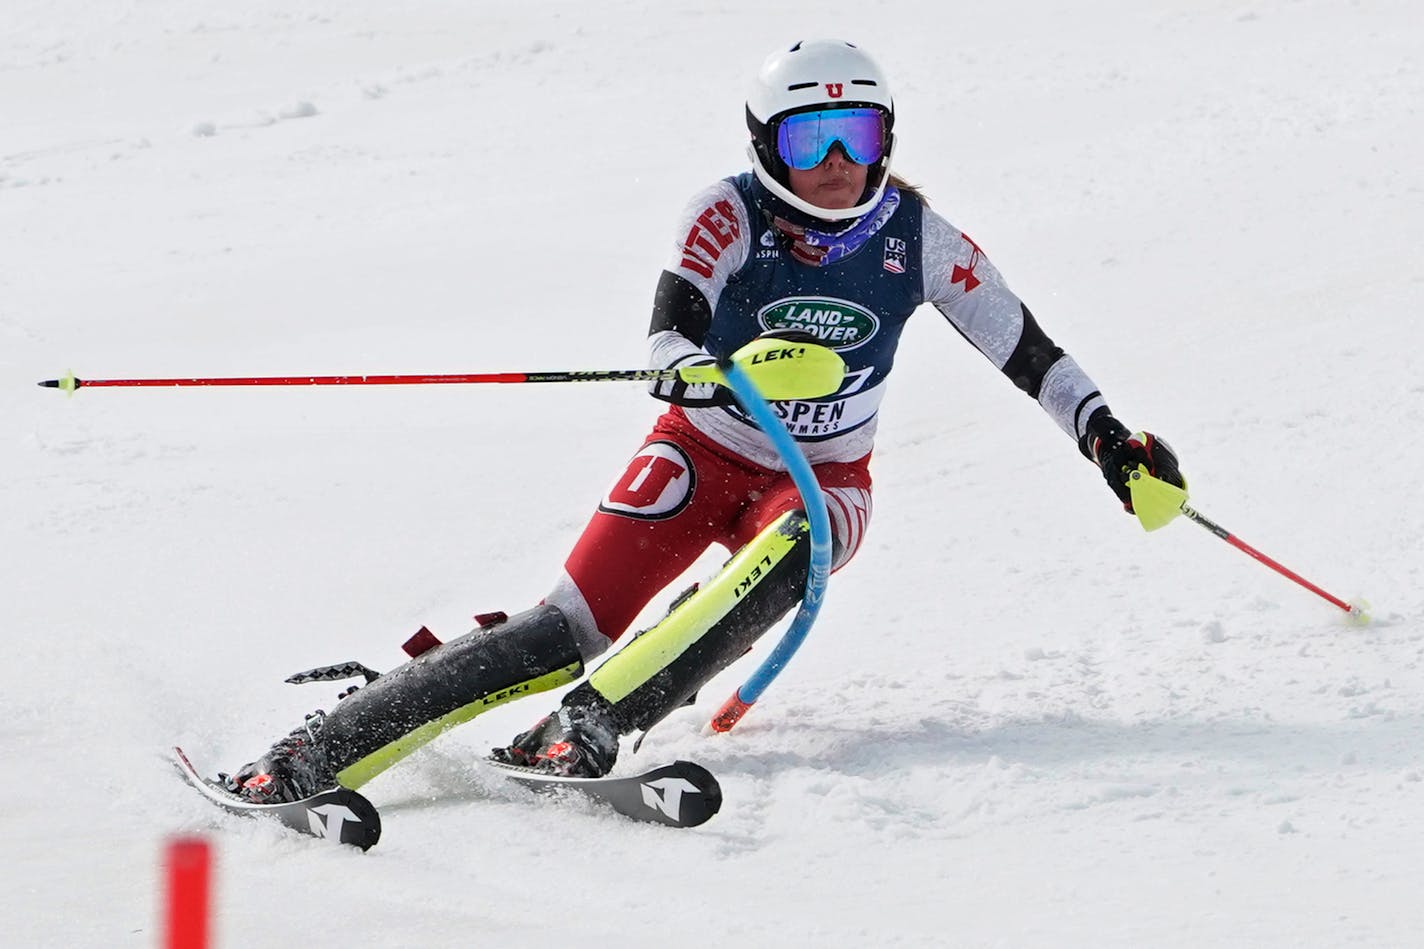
x,y
864,82
804,85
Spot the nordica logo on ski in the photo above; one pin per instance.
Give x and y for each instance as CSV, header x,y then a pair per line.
x,y
838,324
327,819
665,795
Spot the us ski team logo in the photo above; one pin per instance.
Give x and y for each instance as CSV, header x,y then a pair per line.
x,y
838,324
656,485
894,255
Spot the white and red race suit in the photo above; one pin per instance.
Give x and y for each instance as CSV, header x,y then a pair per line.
x,y
744,263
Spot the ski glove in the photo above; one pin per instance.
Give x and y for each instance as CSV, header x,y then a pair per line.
x,y
1118,452
700,395
706,394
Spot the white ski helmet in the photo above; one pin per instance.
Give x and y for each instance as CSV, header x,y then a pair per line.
x,y
811,76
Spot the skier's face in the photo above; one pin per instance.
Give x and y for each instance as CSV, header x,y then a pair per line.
x,y
836,183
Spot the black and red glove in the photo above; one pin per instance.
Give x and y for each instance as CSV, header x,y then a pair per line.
x,y
1118,452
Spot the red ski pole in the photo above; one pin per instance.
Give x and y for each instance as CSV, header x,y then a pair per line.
x,y
692,374
1354,609
783,368
1156,503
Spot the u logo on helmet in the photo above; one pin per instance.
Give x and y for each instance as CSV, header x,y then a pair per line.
x,y
657,484
834,90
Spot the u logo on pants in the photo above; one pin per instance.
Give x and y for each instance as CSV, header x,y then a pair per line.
x,y
657,484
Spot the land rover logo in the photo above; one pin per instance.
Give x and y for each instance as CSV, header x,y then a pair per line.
x,y
838,324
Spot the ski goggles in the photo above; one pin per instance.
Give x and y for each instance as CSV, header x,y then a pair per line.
x,y
804,139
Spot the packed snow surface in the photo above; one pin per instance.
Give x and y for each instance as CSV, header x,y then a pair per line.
x,y
1020,721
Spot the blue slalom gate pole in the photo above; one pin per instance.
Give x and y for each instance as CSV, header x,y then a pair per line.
x,y
820,569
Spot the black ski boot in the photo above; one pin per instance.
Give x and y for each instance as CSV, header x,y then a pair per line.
x,y
294,768
580,740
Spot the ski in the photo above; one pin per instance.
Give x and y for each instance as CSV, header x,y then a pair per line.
x,y
337,814
681,794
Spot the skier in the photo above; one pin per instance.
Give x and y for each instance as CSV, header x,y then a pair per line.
x,y
819,239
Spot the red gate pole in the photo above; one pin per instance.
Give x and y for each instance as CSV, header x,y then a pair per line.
x,y
188,862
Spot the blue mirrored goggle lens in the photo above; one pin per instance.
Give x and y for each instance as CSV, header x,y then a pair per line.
x,y
804,140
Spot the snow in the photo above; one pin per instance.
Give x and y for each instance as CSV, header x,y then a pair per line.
x,y
1020,720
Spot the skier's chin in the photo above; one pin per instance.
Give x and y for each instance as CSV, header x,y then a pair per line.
x,y
836,196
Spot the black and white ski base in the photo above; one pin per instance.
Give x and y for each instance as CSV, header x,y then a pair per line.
x,y
681,794
337,814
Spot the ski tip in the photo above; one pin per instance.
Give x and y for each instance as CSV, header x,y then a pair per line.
x,y
183,764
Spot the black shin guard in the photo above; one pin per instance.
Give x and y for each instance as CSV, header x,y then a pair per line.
x,y
666,665
382,722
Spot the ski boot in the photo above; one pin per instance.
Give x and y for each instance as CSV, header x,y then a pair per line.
x,y
294,768
580,740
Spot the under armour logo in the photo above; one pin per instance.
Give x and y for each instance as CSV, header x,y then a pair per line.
x,y
835,90
965,275
327,820
665,794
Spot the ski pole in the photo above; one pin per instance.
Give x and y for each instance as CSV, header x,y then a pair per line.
x,y
780,368
814,501
1156,503
689,374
